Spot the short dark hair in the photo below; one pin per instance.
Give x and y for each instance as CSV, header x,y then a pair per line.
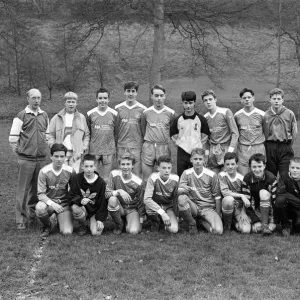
x,y
295,159
258,157
245,90
276,91
131,85
158,87
207,93
188,96
102,90
230,155
89,157
58,147
127,156
164,158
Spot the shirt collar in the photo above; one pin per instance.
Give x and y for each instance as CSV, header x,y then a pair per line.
x,y
28,110
255,179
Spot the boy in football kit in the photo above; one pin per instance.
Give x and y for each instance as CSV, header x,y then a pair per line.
x,y
280,128
189,130
87,196
101,121
199,195
288,197
161,196
249,121
53,183
260,187
234,201
224,133
128,126
69,127
156,121
125,193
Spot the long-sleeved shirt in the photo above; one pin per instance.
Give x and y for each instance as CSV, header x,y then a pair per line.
x,y
95,191
133,186
190,132
222,126
29,134
53,185
128,125
250,126
229,185
102,131
251,187
205,187
281,126
156,124
160,193
287,184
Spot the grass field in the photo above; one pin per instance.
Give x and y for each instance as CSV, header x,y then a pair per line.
x,y
147,266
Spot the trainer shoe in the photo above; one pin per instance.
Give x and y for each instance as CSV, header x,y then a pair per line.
x,y
154,227
286,232
21,226
266,230
82,230
45,231
193,229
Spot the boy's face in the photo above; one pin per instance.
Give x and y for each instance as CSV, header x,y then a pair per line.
x,y
70,105
130,94
89,167
188,106
197,160
276,101
230,166
126,166
295,170
247,99
257,168
58,158
102,100
210,102
158,97
164,170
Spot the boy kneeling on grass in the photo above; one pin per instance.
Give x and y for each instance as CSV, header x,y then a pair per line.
x,y
260,187
233,202
288,198
161,196
125,192
87,194
53,183
199,195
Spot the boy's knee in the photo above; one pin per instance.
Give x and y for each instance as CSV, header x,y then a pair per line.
x,y
182,200
218,230
227,202
41,208
264,195
113,201
76,209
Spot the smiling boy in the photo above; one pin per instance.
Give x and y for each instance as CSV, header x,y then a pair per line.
x,y
101,121
161,196
69,127
260,187
288,197
280,128
53,184
125,193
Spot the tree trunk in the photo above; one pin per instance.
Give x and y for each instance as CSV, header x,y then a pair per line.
x,y
158,44
279,45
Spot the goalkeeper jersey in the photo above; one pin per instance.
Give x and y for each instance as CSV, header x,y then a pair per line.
x,y
156,124
128,125
250,126
102,131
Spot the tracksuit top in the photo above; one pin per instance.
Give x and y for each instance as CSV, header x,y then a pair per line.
x,y
95,191
186,131
287,184
229,185
133,186
128,125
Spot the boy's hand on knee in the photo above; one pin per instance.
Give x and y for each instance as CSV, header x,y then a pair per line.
x,y
126,197
166,219
57,208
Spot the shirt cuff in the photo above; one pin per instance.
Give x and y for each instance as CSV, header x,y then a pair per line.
x,y
161,211
230,149
115,193
49,202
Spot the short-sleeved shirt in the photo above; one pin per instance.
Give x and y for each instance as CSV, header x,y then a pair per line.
x,y
128,125
205,187
222,126
230,185
156,124
250,126
102,131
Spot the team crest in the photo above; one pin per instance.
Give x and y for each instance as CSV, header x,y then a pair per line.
x,y
88,195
